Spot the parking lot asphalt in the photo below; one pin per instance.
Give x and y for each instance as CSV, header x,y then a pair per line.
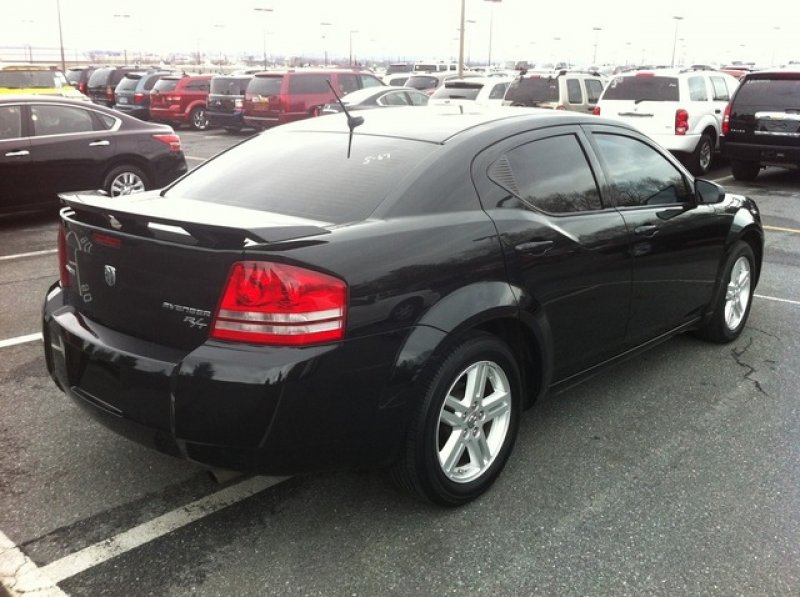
x,y
675,473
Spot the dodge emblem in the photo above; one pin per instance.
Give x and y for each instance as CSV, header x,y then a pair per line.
x,y
110,275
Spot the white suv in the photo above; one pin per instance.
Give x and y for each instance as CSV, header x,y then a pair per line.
x,y
680,109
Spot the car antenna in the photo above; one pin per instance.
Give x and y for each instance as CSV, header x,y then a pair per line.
x,y
352,121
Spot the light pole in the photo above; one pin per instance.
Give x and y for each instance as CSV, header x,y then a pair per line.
x,y
351,46
124,49
461,42
491,29
219,27
675,38
469,44
324,39
774,43
597,31
61,37
265,11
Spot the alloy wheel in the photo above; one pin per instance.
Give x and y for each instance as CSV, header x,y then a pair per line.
x,y
737,295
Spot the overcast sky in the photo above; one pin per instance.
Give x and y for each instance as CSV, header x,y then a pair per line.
x,y
630,30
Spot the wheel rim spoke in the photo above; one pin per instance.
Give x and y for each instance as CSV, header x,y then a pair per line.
x,y
737,293
473,421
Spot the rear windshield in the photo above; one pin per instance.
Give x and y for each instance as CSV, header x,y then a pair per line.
x,y
128,83
398,68
654,89
531,90
74,76
99,77
465,91
783,93
229,86
281,172
422,82
165,85
31,79
265,86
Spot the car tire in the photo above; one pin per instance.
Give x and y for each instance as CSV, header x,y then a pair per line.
x,y
197,119
735,296
699,161
456,446
745,170
125,180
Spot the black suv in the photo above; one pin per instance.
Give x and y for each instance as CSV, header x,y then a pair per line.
x,y
132,94
103,81
226,101
761,125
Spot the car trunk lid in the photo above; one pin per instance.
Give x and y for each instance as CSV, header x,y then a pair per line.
x,y
645,101
766,109
155,267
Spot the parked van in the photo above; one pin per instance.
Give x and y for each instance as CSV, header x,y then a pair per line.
x,y
277,97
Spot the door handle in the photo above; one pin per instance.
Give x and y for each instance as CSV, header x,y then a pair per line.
x,y
15,154
646,230
534,247
718,111
99,143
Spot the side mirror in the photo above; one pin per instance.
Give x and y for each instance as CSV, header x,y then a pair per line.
x,y
708,192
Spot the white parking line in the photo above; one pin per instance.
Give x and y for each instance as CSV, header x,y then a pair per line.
x,y
158,527
20,576
189,157
779,300
31,254
20,340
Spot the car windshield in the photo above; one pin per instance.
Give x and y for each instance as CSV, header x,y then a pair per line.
x,y
165,85
532,89
643,88
422,82
229,85
265,85
31,79
280,172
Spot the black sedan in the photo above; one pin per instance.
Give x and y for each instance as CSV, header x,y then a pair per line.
x,y
377,97
51,145
286,308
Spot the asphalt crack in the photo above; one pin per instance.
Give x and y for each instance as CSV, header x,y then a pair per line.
x,y
738,355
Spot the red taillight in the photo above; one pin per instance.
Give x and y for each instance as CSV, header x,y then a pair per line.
x,y
63,271
726,120
82,88
110,92
645,74
171,139
138,97
681,121
274,303
596,110
106,240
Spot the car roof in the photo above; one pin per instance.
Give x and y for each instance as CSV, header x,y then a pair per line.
x,y
310,71
55,99
439,124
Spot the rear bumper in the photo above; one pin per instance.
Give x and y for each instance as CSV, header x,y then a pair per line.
x,y
677,143
166,170
225,119
779,155
141,112
257,409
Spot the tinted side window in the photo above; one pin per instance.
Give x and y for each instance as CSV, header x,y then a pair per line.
x,y
59,120
574,95
720,89
498,91
198,86
553,175
640,175
768,92
347,83
164,85
10,122
370,81
594,89
418,99
697,89
299,84
395,98
150,82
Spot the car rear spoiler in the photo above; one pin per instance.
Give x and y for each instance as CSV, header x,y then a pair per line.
x,y
99,209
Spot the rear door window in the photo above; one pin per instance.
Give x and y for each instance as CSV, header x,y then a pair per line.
x,y
60,120
10,122
300,84
594,89
720,88
553,175
574,93
529,91
697,89
165,85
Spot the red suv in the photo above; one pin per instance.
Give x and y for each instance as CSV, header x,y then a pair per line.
x,y
181,100
277,97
